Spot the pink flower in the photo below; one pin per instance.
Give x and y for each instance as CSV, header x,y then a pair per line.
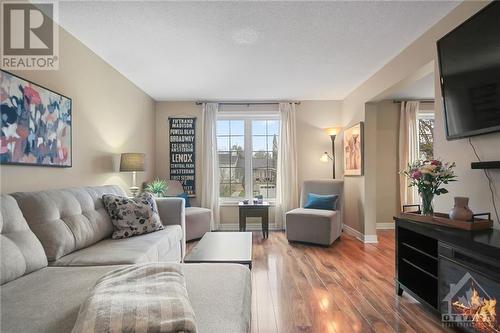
x,y
435,162
416,175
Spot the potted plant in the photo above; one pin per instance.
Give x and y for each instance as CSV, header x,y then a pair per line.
x,y
157,187
428,176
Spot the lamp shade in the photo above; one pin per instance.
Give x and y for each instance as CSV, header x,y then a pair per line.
x,y
132,162
332,130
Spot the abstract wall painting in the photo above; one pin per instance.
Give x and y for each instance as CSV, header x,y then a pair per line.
x,y
36,124
353,150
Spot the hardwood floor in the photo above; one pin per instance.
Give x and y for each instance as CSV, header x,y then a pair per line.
x,y
347,287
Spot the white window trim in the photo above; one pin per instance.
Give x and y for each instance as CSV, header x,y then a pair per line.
x,y
247,116
425,115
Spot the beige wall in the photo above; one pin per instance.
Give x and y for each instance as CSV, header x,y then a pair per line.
x,y
312,141
312,118
387,199
110,116
381,159
471,183
370,165
416,56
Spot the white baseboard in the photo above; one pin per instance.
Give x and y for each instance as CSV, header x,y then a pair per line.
x,y
353,232
385,225
250,227
359,236
370,239
258,227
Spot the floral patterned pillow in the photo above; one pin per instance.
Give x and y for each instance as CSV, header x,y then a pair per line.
x,y
132,216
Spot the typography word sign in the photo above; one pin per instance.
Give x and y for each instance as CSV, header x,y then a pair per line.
x,y
182,134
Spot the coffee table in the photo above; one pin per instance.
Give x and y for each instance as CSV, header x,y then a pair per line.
x,y
223,247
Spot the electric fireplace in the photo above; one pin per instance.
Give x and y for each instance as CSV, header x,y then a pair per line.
x,y
469,289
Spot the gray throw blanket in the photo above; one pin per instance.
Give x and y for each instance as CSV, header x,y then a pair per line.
x,y
145,298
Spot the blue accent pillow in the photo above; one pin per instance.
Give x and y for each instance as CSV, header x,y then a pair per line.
x,y
319,201
186,198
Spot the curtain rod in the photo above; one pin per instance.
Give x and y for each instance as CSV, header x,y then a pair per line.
x,y
413,100
250,103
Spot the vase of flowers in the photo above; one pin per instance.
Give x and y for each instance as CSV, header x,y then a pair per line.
x,y
428,176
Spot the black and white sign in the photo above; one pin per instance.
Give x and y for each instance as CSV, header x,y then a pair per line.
x,y
182,152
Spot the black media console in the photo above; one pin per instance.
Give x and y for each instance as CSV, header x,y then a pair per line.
x,y
440,266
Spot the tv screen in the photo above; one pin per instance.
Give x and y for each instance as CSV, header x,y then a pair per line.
x,y
469,61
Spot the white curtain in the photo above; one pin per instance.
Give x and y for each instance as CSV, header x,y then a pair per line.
x,y
408,148
210,163
287,187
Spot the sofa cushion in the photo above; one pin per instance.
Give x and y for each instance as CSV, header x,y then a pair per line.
x,y
195,212
152,247
52,296
49,297
69,219
317,226
220,307
132,216
310,213
20,250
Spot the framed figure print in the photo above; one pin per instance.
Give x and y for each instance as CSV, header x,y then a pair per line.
x,y
354,150
36,124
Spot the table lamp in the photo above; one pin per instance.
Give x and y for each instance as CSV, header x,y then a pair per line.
x,y
132,162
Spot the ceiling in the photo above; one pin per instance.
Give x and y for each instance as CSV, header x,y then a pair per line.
x,y
249,50
419,89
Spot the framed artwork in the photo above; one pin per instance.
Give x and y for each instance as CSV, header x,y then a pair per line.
x,y
182,138
354,150
36,124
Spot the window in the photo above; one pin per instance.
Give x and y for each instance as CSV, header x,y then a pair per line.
x,y
264,157
425,122
230,147
248,157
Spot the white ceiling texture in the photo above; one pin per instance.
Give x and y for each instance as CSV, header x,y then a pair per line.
x,y
249,50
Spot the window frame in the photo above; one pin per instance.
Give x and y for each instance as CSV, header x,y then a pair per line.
x,y
247,117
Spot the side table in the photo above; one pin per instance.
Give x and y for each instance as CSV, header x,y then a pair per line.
x,y
255,210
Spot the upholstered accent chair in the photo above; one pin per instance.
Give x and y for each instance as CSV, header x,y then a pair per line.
x,y
316,225
197,218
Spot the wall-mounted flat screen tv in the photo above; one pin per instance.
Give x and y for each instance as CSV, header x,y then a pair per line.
x,y
469,61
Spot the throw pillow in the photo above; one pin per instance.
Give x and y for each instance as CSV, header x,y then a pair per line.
x,y
319,201
132,216
186,198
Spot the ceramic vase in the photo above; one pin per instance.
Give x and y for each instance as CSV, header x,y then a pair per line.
x,y
461,210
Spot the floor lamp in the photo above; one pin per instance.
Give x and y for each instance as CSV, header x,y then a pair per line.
x,y
332,132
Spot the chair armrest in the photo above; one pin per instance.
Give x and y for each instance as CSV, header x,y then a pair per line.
x,y
172,212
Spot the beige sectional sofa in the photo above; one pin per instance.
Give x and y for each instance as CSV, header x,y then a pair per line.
x,y
54,246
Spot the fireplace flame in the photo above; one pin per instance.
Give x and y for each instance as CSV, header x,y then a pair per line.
x,y
482,311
